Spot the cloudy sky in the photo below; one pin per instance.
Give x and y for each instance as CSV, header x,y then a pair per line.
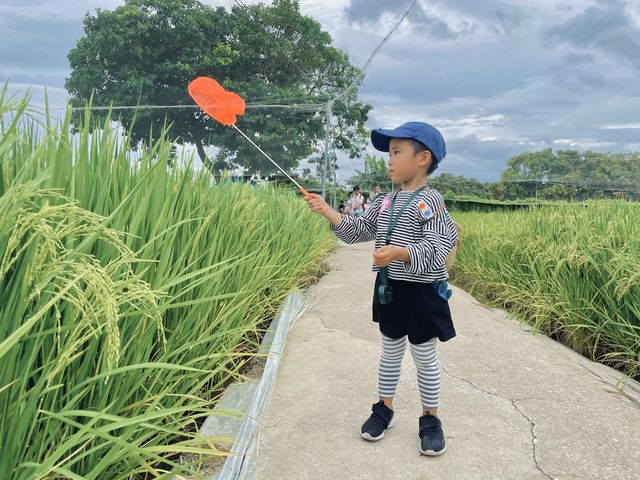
x,y
496,77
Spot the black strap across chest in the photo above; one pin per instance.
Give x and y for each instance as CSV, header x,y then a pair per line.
x,y
394,220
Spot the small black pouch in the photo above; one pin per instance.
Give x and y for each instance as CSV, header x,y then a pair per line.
x,y
385,292
442,289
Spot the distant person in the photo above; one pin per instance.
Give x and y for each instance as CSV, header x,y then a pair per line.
x,y
377,192
356,202
366,204
414,234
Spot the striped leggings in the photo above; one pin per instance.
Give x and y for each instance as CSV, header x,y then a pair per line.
x,y
426,360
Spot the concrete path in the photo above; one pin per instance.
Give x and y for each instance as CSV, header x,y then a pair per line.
x,y
513,405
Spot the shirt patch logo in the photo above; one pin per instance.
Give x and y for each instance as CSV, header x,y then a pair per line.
x,y
425,211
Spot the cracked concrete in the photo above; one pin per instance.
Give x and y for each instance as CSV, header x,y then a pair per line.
x,y
513,405
513,401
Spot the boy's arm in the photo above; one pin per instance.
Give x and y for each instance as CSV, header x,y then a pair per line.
x,y
334,217
357,229
440,236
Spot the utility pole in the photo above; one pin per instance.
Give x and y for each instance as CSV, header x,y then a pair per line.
x,y
334,203
326,150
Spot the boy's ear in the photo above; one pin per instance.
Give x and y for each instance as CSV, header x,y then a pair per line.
x,y
426,155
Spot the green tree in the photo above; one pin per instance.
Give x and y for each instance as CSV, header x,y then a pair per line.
x,y
375,172
572,173
147,51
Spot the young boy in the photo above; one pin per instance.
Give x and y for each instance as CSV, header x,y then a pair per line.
x,y
413,235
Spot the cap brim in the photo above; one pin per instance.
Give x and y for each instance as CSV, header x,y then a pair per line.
x,y
380,138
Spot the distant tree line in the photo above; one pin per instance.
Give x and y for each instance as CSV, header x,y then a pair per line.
x,y
545,174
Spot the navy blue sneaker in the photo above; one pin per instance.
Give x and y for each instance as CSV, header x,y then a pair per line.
x,y
431,435
381,419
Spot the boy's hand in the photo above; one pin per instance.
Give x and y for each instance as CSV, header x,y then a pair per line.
x,y
388,253
317,203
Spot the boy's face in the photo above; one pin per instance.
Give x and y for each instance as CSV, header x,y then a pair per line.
x,y
405,165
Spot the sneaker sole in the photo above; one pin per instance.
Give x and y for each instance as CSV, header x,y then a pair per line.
x,y
431,453
367,435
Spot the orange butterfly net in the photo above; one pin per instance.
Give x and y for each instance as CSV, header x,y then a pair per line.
x,y
225,106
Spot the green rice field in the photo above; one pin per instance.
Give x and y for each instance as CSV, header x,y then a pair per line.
x,y
570,270
130,295
132,291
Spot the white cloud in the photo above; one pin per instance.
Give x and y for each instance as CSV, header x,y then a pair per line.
x,y
620,126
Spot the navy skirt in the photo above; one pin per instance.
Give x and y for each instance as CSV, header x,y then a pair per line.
x,y
417,311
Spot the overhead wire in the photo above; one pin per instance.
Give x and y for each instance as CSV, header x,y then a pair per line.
x,y
360,75
292,106
354,82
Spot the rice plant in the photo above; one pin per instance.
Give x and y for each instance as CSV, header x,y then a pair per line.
x,y
131,294
571,270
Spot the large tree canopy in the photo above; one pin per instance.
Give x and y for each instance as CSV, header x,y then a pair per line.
x,y
147,51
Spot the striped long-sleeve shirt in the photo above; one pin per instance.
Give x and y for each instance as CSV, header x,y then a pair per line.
x,y
428,241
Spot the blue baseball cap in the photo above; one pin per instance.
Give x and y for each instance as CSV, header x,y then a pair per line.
x,y
420,131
